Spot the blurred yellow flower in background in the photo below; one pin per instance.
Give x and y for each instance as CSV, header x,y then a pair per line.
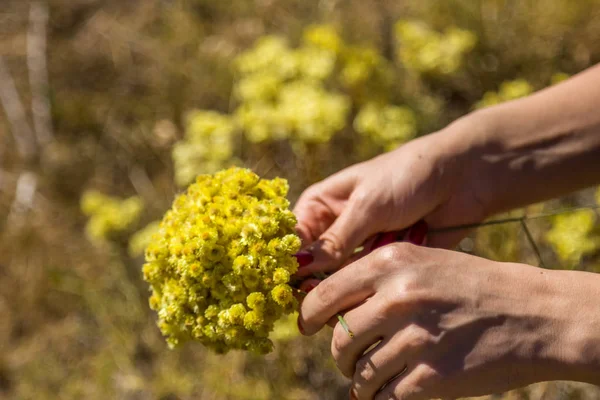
x,y
509,90
109,216
572,237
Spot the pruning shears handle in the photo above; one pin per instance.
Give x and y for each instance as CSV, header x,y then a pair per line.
x,y
415,234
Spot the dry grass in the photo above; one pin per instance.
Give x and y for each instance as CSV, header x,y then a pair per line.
x,y
74,321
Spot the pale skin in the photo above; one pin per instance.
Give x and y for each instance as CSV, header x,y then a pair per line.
x,y
450,324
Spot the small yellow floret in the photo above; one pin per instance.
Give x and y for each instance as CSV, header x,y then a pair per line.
x,y
253,320
282,294
256,300
281,276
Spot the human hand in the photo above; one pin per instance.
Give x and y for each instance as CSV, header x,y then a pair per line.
x,y
489,161
455,325
424,179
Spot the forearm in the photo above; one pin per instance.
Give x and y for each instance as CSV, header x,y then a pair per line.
x,y
573,302
535,148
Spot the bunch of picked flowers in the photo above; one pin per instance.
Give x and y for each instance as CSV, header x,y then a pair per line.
x,y
220,265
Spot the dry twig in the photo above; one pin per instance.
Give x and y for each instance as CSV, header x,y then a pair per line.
x,y
15,112
38,71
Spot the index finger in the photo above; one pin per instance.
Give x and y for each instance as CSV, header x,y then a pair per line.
x,y
320,204
343,290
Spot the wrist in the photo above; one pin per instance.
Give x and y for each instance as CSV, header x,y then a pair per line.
x,y
514,149
576,316
556,323
463,145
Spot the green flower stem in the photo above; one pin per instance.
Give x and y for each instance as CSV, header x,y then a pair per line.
x,y
345,325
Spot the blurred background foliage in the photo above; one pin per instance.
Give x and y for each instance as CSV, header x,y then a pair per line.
x,y
110,107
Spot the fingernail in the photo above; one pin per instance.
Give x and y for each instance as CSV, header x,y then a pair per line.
x,y
353,394
418,232
300,328
304,258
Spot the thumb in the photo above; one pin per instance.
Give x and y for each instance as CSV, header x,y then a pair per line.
x,y
334,246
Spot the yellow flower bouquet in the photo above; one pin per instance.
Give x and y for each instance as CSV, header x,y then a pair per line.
x,y
220,265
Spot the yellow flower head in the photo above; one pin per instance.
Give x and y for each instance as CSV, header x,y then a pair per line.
x,y
387,125
324,37
572,236
509,90
428,51
221,261
208,145
109,216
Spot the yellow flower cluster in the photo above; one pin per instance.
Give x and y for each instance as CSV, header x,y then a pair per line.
x,y
386,125
220,265
366,73
282,93
571,236
303,112
207,147
509,90
311,112
362,69
270,53
427,51
271,62
324,37
287,93
109,216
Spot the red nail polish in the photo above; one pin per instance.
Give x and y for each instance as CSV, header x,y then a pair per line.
x,y
418,232
300,326
304,258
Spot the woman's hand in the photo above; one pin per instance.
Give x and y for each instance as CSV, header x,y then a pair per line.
x,y
492,160
424,179
451,325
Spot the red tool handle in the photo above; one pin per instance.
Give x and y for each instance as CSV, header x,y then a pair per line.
x,y
416,234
